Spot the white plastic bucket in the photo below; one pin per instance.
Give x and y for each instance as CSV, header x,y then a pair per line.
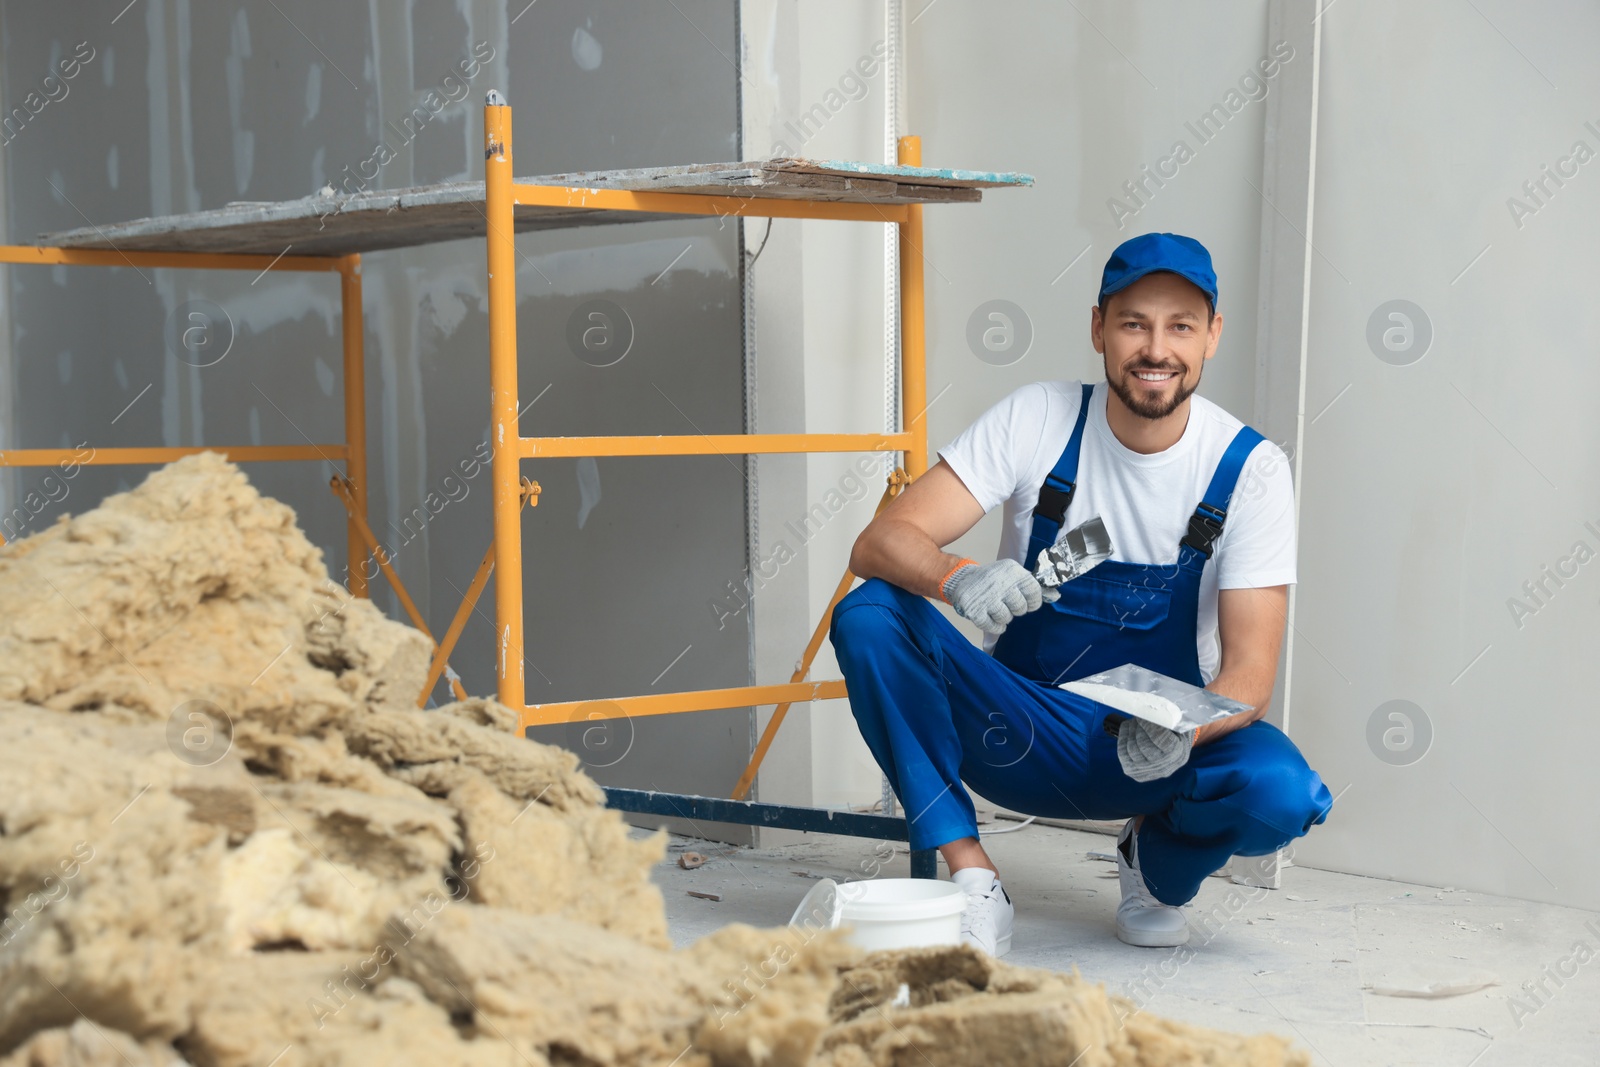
x,y
886,912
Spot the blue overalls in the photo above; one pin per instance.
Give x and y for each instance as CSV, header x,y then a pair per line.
x,y
936,710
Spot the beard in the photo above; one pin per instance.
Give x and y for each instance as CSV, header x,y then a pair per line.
x,y
1148,405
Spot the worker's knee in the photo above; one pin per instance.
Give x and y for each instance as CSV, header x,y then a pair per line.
x,y
1284,794
870,610
877,591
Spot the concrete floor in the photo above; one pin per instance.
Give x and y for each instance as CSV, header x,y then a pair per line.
x,y
1306,961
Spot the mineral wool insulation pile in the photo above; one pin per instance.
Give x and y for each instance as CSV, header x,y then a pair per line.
x,y
356,881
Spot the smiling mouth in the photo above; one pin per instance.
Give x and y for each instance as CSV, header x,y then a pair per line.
x,y
1156,378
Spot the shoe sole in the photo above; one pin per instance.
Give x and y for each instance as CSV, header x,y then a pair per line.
x,y
1152,938
1000,949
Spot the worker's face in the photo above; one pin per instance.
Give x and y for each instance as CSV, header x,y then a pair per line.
x,y
1156,327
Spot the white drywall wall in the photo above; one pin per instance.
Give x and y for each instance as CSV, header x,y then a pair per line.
x,y
1433,491
1450,519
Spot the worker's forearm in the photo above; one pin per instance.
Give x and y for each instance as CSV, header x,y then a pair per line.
x,y
902,555
1248,685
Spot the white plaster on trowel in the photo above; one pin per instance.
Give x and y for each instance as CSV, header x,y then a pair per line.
x,y
1147,706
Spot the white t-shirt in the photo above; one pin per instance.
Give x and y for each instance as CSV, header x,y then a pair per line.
x,y
1145,501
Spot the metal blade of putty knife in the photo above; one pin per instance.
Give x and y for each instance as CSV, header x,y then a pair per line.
x,y
1075,553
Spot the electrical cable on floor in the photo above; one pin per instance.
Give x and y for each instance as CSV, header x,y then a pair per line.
x,y
1008,829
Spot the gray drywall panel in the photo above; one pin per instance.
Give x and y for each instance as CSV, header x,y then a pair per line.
x,y
189,106
639,84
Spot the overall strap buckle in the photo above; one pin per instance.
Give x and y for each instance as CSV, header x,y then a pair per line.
x,y
1054,499
1205,526
1055,494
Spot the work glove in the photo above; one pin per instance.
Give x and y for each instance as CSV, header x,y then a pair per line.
x,y
992,594
1147,751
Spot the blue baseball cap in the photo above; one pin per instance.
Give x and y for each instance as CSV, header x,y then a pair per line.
x,y
1150,252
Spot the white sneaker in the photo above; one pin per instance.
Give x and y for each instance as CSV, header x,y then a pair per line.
x,y
986,921
1142,919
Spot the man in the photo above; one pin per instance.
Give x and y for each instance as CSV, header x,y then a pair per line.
x,y
1200,510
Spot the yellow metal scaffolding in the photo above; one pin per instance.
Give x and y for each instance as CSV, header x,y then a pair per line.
x,y
354,449
503,196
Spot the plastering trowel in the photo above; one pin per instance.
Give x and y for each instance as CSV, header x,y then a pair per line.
x,y
1076,552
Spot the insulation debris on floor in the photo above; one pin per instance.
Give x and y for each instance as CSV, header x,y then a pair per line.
x,y
229,837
